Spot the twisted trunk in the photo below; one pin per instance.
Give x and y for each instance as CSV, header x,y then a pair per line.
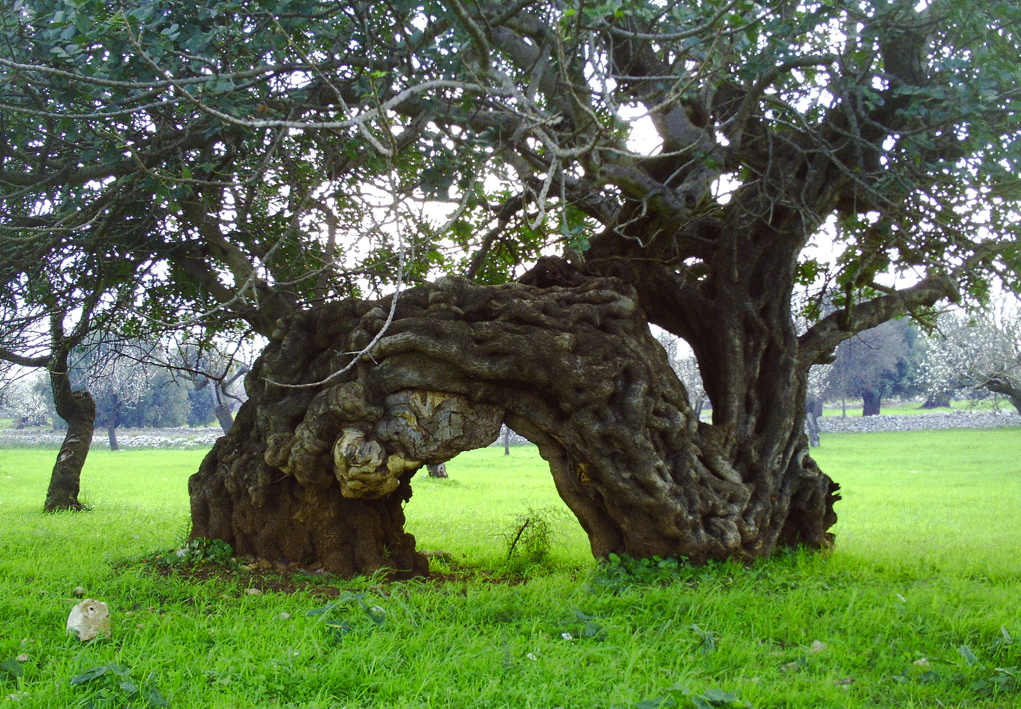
x,y
316,470
78,409
1003,384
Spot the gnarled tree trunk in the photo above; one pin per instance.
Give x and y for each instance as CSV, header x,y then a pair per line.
x,y
319,464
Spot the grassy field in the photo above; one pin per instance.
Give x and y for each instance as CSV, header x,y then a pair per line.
x,y
917,607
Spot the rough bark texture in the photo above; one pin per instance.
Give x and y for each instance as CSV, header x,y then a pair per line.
x,y
78,409
318,466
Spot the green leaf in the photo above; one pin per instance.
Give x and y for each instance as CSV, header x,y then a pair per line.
x,y
718,697
969,657
320,611
152,695
89,675
12,668
656,703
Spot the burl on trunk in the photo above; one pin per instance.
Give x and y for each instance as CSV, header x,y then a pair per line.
x,y
318,466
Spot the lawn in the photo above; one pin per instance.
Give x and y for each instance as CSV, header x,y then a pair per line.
x,y
917,606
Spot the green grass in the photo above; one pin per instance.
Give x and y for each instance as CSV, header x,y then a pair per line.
x,y
942,498
917,607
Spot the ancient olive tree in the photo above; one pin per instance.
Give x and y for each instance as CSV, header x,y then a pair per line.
x,y
273,163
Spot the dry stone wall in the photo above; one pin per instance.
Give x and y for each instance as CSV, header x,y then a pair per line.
x,y
203,438
172,438
919,422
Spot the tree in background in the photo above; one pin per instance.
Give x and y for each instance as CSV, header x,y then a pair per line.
x,y
214,373
27,400
818,377
228,164
686,369
115,377
979,354
201,408
871,364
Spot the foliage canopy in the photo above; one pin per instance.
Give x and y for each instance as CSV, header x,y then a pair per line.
x,y
215,160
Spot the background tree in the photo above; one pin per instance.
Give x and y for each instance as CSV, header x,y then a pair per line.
x,y
215,373
27,401
975,353
116,379
871,364
818,378
52,351
686,369
242,165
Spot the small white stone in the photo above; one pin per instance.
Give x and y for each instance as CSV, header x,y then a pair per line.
x,y
253,592
88,619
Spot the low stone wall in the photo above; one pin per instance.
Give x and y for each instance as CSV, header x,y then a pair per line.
x,y
172,438
919,422
203,438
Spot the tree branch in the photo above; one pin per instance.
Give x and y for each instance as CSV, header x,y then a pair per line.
x,y
818,342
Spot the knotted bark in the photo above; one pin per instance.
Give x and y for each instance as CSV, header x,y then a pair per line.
x,y
318,466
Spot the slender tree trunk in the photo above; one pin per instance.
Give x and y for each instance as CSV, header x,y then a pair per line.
x,y
111,424
870,403
319,476
699,405
813,412
78,409
506,440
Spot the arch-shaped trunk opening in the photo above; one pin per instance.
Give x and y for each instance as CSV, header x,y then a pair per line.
x,y
318,466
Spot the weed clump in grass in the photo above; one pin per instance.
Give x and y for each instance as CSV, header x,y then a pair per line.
x,y
106,684
621,571
530,539
196,553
